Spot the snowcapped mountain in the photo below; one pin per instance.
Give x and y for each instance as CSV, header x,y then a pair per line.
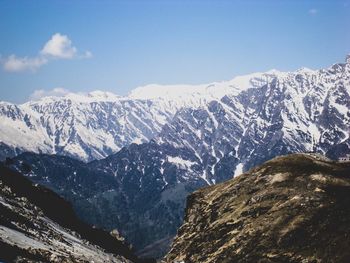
x,y
86,127
193,136
300,111
251,119
95,125
275,114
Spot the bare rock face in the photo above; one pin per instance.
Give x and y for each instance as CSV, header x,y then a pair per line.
x,y
291,209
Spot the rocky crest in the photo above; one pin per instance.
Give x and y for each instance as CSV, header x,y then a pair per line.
x,y
293,208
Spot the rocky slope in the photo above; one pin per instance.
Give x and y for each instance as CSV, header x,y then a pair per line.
x,y
38,226
290,209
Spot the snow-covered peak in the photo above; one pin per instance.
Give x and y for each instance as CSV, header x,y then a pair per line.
x,y
247,81
94,96
103,95
254,80
306,70
274,71
155,91
5,103
214,90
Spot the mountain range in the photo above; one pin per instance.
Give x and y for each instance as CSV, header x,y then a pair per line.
x,y
130,162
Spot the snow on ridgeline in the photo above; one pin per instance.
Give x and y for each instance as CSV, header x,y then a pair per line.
x,y
93,96
177,92
94,125
215,90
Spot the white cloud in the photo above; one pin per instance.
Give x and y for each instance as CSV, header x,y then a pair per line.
x,y
14,64
56,92
58,47
313,11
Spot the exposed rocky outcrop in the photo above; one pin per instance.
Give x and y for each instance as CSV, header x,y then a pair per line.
x,y
290,209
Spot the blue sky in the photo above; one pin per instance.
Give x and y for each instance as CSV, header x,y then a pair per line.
x,y
118,45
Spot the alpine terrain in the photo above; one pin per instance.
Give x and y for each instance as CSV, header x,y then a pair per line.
x,y
137,158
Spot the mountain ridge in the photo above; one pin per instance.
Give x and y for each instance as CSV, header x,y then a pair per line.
x,y
142,187
56,124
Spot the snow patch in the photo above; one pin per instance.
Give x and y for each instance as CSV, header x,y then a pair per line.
x,y
180,162
239,170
